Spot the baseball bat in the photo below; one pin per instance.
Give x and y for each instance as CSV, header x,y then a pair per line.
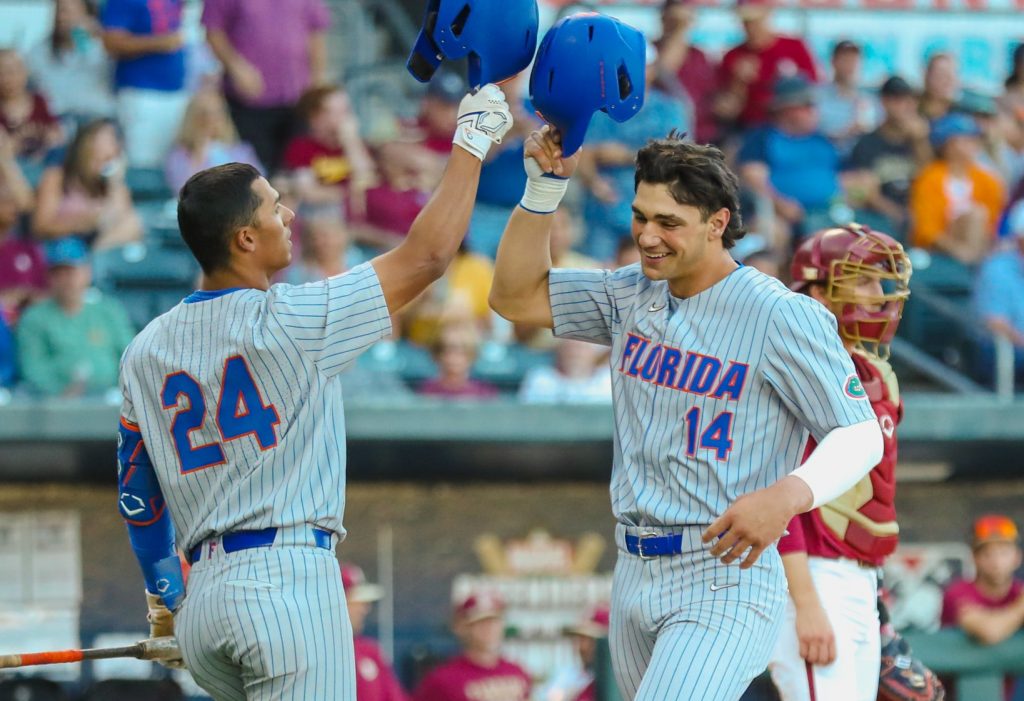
x,y
151,649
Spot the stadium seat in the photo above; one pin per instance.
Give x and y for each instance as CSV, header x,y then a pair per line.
x,y
145,266
147,184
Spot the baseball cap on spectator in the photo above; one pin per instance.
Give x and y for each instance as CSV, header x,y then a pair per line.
x,y
357,589
994,528
478,606
844,45
447,87
593,625
895,86
975,102
753,9
68,252
792,91
953,124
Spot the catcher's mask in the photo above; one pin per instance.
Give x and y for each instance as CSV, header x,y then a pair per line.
x,y
498,37
844,259
588,62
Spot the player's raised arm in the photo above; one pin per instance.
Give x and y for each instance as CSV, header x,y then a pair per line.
x,y
520,288
433,240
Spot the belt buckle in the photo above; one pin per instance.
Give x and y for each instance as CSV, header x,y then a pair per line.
x,y
640,545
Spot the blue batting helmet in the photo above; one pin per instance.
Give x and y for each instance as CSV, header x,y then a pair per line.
x,y
498,37
588,62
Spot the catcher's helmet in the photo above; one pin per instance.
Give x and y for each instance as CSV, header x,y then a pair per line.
x,y
498,37
588,62
841,259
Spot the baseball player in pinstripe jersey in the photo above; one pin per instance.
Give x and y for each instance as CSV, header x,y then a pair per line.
x,y
719,372
231,445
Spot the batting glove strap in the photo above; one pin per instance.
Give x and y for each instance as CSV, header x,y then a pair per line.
x,y
484,119
544,191
161,625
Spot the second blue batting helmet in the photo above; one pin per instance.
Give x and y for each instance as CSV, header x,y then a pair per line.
x,y
498,37
588,62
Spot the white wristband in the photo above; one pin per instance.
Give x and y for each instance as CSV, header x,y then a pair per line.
x,y
543,194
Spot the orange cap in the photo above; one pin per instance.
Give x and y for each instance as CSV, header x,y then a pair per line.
x,y
994,528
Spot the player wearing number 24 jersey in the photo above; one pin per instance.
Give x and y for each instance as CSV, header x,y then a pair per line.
x,y
718,374
232,443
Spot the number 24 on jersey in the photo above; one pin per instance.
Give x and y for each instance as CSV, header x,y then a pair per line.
x,y
240,412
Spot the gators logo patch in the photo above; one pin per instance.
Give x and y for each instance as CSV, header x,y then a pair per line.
x,y
854,388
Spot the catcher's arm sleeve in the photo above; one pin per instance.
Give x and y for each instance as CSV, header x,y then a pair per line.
x,y
150,530
842,457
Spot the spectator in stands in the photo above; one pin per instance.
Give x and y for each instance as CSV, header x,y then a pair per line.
x,y
749,71
375,679
626,253
577,682
684,71
7,354
990,608
756,251
207,138
847,109
325,248
86,198
607,163
70,66
479,623
146,40
25,115
941,86
22,267
439,111
1012,99
454,351
330,163
791,162
954,202
460,295
579,376
272,53
891,153
71,344
996,128
999,293
408,174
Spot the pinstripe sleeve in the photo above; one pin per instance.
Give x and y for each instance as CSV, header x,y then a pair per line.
x,y
584,304
333,320
810,370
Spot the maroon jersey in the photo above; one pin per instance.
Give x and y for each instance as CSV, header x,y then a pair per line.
x,y
860,524
375,680
463,680
589,692
786,56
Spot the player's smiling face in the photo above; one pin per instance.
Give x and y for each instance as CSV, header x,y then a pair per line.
x,y
272,228
674,240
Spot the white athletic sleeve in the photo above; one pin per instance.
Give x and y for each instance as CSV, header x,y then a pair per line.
x,y
810,370
585,303
841,459
333,320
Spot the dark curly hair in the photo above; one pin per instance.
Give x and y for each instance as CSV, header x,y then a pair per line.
x,y
696,176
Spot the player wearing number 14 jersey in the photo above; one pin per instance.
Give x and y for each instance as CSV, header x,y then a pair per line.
x,y
232,420
718,374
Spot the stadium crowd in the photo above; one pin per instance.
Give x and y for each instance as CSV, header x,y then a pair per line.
x,y
105,119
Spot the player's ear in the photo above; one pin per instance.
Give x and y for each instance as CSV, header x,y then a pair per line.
x,y
245,239
718,222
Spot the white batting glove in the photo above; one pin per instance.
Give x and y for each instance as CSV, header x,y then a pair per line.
x,y
484,118
161,625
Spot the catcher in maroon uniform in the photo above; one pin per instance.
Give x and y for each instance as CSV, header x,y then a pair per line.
x,y
830,646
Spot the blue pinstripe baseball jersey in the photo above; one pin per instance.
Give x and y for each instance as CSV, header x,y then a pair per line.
x,y
713,397
239,404
713,394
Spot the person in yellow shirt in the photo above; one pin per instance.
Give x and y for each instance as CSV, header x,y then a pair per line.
x,y
954,202
461,295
